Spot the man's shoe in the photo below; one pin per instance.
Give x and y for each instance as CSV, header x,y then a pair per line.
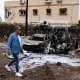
x,y
7,67
19,74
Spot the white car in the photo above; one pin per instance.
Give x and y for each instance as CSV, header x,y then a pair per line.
x,y
35,43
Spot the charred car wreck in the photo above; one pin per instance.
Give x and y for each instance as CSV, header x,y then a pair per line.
x,y
62,41
35,43
58,40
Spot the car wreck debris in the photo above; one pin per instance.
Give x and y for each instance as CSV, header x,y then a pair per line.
x,y
52,40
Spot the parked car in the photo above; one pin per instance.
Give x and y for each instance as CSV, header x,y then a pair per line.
x,y
35,43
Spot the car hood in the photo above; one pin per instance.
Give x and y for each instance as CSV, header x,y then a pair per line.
x,y
32,42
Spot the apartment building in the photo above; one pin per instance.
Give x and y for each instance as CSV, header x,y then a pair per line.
x,y
51,11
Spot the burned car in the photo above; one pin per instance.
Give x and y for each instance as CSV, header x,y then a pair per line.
x,y
55,40
62,41
35,43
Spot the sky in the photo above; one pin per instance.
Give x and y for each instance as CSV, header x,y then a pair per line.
x,y
2,9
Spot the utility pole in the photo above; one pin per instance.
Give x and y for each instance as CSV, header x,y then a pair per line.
x,y
26,20
0,19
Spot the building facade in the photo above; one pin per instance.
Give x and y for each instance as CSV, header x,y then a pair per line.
x,y
52,11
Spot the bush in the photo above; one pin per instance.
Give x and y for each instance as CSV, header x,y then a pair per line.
x,y
6,29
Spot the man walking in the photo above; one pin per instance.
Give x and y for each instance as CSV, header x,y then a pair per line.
x,y
14,46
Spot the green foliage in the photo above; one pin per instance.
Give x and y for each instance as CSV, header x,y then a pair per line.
x,y
6,29
78,24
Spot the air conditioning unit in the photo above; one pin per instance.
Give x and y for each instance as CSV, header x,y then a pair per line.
x,y
59,1
22,1
48,1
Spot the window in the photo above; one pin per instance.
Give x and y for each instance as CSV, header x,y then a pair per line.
x,y
22,1
35,12
22,12
59,1
48,11
7,13
63,11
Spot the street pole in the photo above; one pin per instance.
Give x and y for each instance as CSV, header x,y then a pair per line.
x,y
26,20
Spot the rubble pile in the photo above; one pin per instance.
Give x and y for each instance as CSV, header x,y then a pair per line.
x,y
42,73
52,72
